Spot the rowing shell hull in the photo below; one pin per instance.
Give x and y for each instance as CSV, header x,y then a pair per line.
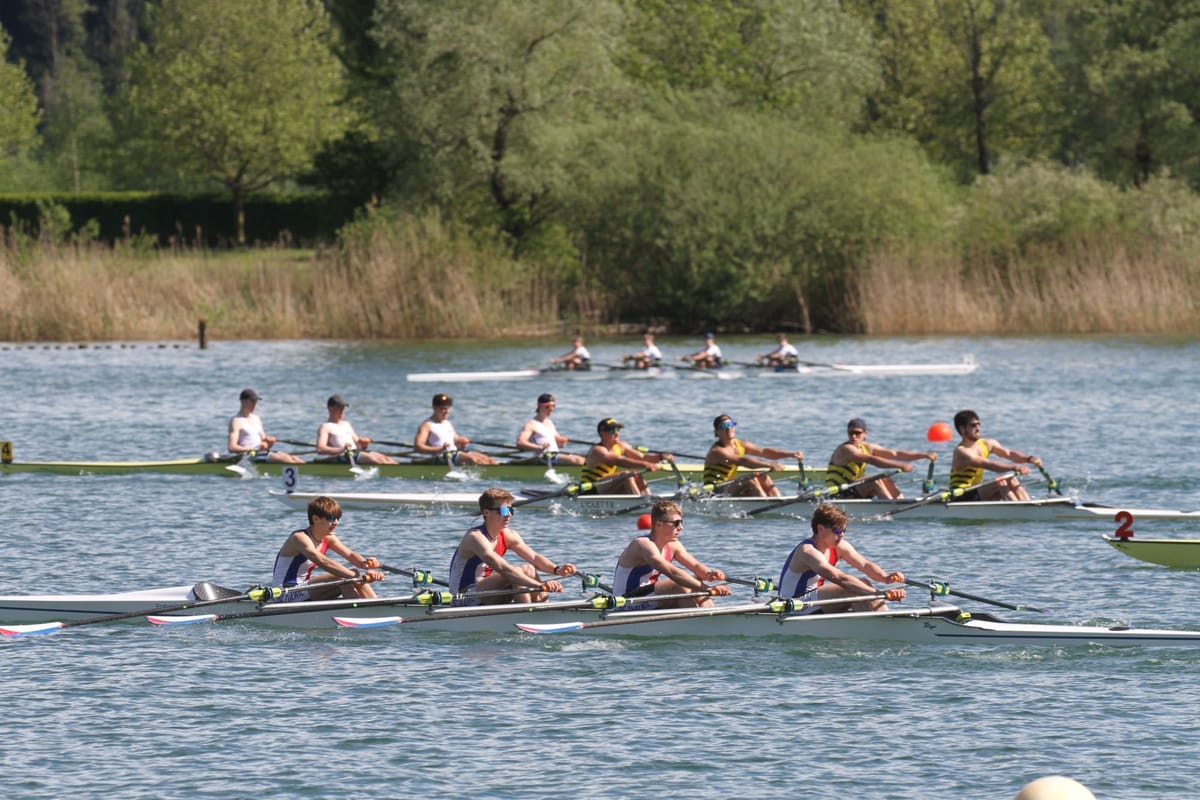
x,y
1178,553
940,624
1058,509
965,367
526,472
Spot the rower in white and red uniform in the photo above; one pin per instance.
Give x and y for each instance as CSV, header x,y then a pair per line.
x,y
657,565
302,559
246,434
478,564
811,572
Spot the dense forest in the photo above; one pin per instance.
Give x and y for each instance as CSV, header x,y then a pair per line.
x,y
803,164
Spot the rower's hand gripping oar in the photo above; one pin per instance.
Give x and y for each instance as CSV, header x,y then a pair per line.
x,y
927,484
941,589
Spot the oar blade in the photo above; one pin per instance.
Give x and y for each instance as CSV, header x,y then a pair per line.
x,y
191,619
367,622
557,627
37,629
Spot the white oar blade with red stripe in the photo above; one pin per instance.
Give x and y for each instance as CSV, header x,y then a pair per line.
x,y
30,630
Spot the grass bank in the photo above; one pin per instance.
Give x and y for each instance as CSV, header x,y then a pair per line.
x,y
424,281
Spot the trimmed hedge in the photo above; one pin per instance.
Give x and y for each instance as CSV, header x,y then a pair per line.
x,y
303,219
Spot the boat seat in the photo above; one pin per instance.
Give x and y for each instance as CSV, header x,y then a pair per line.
x,y
205,590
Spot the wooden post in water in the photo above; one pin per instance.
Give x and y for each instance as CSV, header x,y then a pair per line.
x,y
203,334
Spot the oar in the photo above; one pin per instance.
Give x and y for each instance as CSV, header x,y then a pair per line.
x,y
600,602
945,495
420,577
761,585
941,589
778,606
244,468
299,443
257,594
537,496
927,484
385,442
155,615
820,491
1051,484
664,452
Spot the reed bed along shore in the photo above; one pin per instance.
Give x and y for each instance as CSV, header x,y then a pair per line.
x,y
427,283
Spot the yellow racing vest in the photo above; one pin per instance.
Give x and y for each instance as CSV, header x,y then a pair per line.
x,y
836,475
969,476
595,473
719,473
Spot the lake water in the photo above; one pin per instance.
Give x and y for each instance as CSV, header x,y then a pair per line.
x,y
233,710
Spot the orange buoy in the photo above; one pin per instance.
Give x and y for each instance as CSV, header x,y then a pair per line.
x,y
644,522
940,432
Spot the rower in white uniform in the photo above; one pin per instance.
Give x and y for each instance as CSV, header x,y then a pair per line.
x,y
540,435
436,437
246,435
337,437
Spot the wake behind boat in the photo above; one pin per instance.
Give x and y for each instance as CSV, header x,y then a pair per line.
x,y
937,623
603,505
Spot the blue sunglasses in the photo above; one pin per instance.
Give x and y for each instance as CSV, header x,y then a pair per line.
x,y
727,424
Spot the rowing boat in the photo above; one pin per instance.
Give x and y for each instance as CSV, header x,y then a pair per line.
x,y
937,623
1178,553
602,505
514,470
964,367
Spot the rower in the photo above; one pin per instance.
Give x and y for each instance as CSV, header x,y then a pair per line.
x,y
973,455
647,567
541,436
728,453
336,437
247,437
605,459
478,564
784,355
849,464
810,572
648,356
707,357
436,437
577,358
305,550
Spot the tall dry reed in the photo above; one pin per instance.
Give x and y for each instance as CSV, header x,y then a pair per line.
x,y
1094,286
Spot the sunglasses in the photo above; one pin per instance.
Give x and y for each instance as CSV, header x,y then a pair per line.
x,y
504,511
334,520
839,532
856,432
675,523
726,425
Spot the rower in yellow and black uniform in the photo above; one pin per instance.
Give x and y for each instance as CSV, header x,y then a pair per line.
x,y
606,458
728,453
973,455
849,463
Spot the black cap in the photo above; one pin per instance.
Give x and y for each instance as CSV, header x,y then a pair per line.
x,y
442,400
544,399
608,424
336,401
249,394
856,423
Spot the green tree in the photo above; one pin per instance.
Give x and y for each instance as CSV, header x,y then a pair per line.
x,y
1133,68
18,107
971,79
810,60
486,100
241,93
